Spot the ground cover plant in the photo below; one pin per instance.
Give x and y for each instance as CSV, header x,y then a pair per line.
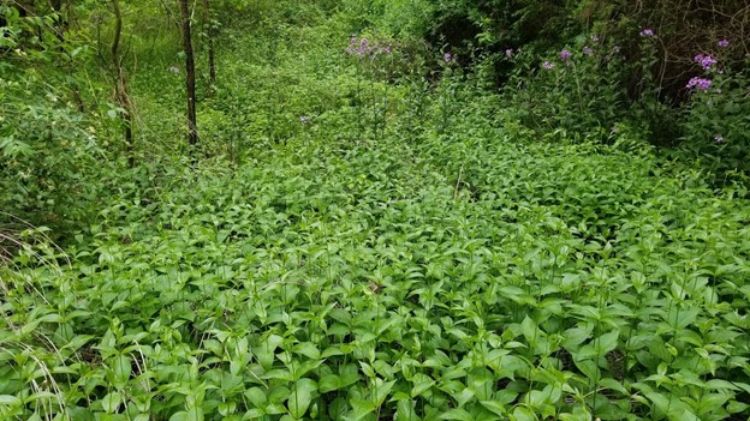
x,y
367,226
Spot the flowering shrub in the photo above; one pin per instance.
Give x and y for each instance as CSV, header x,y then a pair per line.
x,y
576,95
699,83
705,61
382,57
363,47
716,120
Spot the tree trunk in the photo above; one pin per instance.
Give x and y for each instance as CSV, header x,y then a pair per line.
x,y
187,44
121,85
210,39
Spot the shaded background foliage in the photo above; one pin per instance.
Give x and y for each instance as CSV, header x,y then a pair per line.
x,y
642,88
644,83
683,27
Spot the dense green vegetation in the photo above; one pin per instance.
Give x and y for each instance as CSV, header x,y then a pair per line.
x,y
410,210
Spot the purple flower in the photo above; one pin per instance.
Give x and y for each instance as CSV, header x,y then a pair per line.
x,y
448,57
719,139
699,83
364,47
647,33
565,55
588,51
548,66
509,53
705,61
724,43
352,48
359,47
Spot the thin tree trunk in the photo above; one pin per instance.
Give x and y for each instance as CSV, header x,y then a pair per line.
x,y
187,44
210,39
121,85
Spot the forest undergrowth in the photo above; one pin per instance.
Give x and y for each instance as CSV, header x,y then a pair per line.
x,y
355,243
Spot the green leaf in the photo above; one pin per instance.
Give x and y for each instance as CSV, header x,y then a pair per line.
x,y
422,383
361,408
77,342
308,349
522,413
275,409
464,397
111,402
608,342
184,416
456,414
122,368
227,408
256,396
301,396
382,390
613,384
405,411
254,413
576,336
495,407
329,383
9,400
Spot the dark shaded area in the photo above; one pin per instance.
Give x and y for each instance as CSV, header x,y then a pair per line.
x,y
682,27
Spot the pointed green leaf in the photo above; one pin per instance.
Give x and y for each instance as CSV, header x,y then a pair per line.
x,y
301,396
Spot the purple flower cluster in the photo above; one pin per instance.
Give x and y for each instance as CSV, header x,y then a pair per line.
x,y
509,53
705,61
358,46
362,47
565,55
647,33
699,83
448,57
